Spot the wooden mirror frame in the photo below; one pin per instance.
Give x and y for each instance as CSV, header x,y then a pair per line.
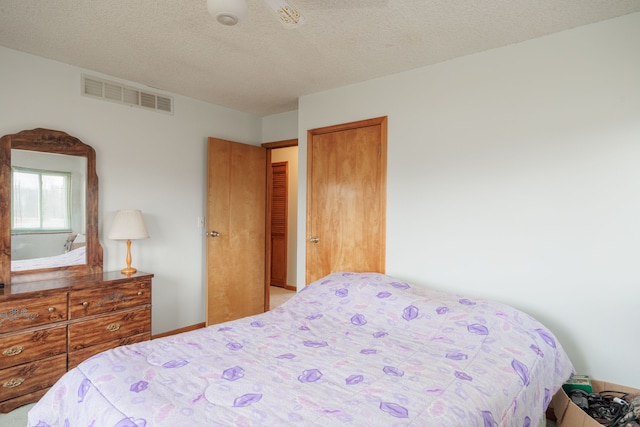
x,y
57,142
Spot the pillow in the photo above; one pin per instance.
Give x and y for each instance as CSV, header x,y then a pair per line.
x,y
79,241
70,238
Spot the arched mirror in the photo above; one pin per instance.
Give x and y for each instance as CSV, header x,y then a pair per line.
x,y
48,207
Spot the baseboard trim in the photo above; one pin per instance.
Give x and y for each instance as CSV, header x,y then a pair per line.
x,y
287,287
179,331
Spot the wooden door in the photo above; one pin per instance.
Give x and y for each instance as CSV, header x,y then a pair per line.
x,y
346,198
236,198
279,223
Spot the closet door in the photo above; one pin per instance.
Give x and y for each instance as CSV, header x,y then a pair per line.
x,y
279,224
346,198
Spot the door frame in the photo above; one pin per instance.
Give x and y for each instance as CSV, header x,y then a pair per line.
x,y
267,262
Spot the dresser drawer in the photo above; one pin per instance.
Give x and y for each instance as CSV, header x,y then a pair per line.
x,y
87,302
29,377
109,327
79,356
27,312
7,406
26,347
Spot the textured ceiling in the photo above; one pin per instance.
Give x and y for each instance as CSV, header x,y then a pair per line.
x,y
260,67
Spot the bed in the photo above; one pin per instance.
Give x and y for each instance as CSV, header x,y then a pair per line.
x,y
349,349
74,257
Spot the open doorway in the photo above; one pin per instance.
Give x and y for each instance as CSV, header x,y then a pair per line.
x,y
282,220
283,231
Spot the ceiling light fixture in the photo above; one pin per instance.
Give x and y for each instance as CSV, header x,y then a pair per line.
x,y
228,12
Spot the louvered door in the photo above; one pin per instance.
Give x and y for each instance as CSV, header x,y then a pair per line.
x,y
279,224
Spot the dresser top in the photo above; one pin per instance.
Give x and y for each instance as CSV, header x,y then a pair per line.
x,y
109,278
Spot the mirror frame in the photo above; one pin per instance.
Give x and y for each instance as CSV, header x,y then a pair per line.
x,y
57,142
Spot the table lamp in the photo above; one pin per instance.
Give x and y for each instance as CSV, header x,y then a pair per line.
x,y
128,225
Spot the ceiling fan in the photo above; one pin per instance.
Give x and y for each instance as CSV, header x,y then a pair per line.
x,y
231,12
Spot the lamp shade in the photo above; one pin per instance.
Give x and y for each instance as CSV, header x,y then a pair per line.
x,y
128,224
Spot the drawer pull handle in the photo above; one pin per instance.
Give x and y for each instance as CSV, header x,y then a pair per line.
x,y
85,304
51,309
13,351
113,327
13,382
139,293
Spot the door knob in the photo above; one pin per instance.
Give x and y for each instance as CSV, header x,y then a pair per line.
x,y
314,239
213,234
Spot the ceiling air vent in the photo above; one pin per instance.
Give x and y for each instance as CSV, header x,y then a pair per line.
x,y
111,91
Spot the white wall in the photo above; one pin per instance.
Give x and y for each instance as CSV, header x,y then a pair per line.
x,y
145,160
280,127
514,174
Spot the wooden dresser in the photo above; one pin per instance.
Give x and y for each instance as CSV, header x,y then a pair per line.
x,y
48,327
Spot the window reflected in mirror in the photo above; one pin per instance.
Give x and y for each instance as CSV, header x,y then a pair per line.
x,y
40,201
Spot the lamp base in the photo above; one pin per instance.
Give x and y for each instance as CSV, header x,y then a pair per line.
x,y
128,271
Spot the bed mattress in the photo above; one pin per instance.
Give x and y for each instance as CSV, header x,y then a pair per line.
x,y
350,349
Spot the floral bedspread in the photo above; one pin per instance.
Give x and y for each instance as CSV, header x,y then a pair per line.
x,y
350,349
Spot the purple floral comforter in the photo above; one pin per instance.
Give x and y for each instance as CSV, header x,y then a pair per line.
x,y
350,349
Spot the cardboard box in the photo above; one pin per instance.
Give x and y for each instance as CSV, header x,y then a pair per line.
x,y
568,414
